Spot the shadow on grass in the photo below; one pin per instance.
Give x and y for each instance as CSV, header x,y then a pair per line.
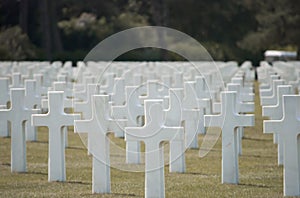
x,y
259,156
78,182
39,142
200,174
76,148
5,137
5,164
36,173
254,185
256,139
124,195
109,194
205,149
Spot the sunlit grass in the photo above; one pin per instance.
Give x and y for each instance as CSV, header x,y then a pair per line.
x,y
259,174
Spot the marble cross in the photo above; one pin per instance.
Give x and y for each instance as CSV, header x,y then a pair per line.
x,y
228,121
153,133
192,115
16,81
288,128
56,119
241,107
268,91
118,94
4,99
174,116
17,115
32,101
274,112
131,111
96,127
271,100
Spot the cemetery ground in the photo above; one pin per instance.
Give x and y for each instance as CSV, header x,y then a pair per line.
x,y
260,176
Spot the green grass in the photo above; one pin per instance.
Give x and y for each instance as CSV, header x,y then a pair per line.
x,y
259,174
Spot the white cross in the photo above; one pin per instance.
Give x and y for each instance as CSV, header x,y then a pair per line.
x,y
32,101
68,103
178,80
131,111
241,107
68,93
40,88
118,95
16,81
245,91
107,88
275,112
268,84
192,113
80,90
288,128
269,91
55,120
174,116
85,107
96,127
271,100
4,99
153,92
228,120
166,84
4,88
17,115
153,133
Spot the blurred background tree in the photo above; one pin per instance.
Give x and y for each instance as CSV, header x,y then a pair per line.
x,y
278,26
69,29
15,45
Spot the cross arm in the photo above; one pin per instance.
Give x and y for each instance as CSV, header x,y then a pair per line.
x,y
80,106
84,126
246,107
245,120
119,112
248,97
213,120
69,119
39,120
204,103
191,114
272,126
134,133
268,110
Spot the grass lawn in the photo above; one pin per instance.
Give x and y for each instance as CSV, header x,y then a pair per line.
x,y
259,174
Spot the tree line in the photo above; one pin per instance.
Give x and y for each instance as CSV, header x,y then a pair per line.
x,y
69,29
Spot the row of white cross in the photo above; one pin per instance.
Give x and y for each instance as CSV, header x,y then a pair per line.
x,y
115,102
281,104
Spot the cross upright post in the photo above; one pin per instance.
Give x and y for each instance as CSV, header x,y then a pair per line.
x,y
241,107
288,128
4,99
96,127
55,120
17,115
275,112
131,110
174,117
191,115
32,101
228,121
16,81
153,133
